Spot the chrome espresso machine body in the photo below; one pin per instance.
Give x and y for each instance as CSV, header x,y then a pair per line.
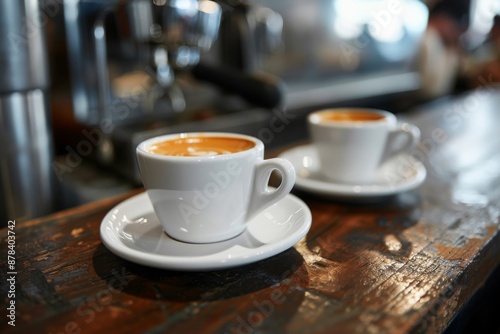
x,y
141,68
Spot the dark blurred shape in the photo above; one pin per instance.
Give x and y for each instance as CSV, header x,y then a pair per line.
x,y
457,10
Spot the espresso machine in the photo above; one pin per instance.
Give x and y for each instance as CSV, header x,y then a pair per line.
x,y
141,68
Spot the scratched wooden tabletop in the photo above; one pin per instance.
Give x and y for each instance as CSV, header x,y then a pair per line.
x,y
406,264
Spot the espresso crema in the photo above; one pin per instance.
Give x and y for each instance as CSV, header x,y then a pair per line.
x,y
201,146
352,116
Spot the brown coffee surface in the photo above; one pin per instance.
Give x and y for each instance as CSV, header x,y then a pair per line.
x,y
201,146
351,116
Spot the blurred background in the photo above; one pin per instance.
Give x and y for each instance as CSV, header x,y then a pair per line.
x,y
84,81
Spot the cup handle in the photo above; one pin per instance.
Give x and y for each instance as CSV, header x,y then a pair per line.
x,y
411,136
262,197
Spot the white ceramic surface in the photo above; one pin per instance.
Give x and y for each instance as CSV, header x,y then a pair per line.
x,y
132,231
351,152
207,199
401,173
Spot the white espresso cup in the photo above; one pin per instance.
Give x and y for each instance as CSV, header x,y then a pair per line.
x,y
352,143
205,187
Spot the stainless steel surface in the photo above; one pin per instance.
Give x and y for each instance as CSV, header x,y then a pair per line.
x,y
189,23
140,19
23,57
26,156
376,85
26,153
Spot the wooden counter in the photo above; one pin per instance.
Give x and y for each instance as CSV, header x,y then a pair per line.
x,y
407,264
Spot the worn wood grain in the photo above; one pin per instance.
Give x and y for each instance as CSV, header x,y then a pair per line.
x,y
407,264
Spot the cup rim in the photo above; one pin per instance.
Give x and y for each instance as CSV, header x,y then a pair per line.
x,y
142,146
389,118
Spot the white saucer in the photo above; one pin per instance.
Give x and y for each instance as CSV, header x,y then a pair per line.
x,y
401,173
132,231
